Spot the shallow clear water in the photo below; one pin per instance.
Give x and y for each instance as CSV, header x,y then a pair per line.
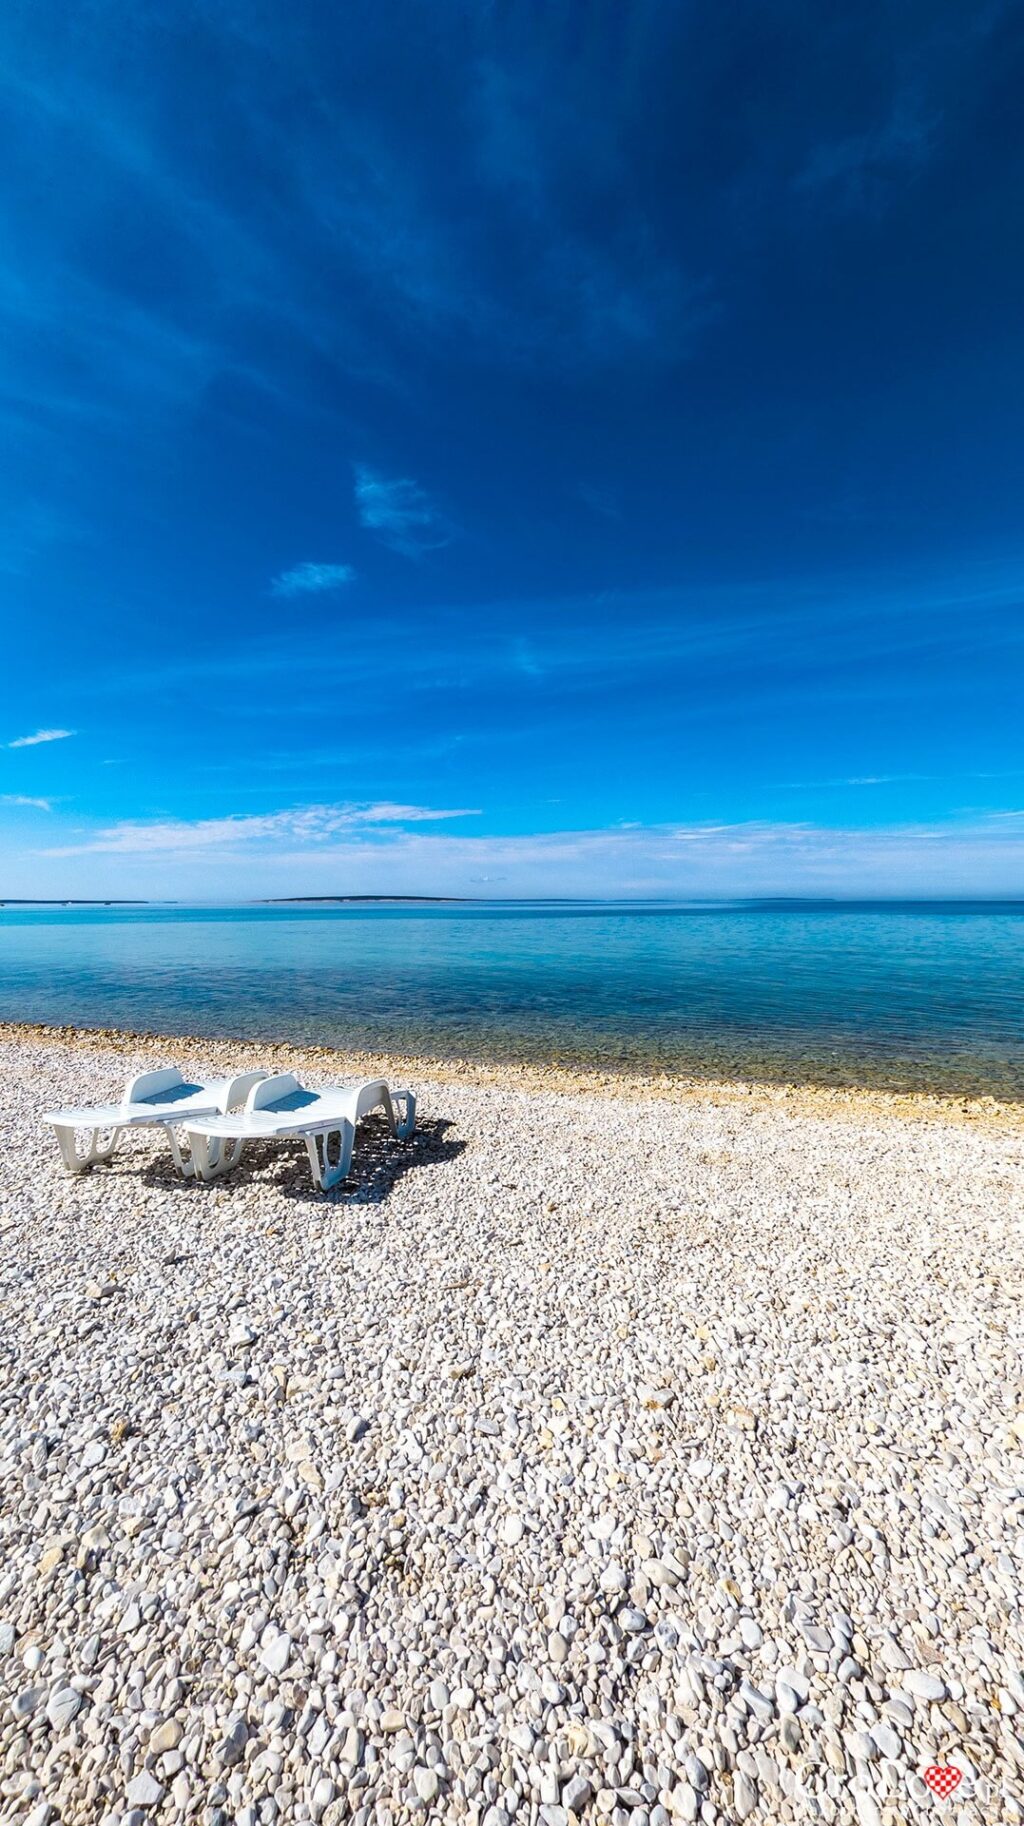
x,y
903,994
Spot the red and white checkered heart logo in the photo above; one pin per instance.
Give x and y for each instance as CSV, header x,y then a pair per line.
x,y
943,1779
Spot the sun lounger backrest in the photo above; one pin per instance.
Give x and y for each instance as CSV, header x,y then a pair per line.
x,y
237,1089
272,1089
150,1084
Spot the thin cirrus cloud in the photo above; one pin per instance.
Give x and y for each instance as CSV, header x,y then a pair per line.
x,y
312,579
25,799
387,848
400,513
865,168
305,825
41,735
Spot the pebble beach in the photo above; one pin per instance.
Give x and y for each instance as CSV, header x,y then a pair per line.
x,y
614,1451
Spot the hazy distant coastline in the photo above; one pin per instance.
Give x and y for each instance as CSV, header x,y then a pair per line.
x,y
371,900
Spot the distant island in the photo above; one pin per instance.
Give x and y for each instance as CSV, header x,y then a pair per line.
x,y
372,900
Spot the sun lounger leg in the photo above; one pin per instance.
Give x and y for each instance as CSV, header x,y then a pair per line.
x,y
231,1154
213,1156
199,1148
402,1128
376,1095
95,1152
326,1176
185,1163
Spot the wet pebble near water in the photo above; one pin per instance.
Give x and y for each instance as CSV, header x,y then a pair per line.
x,y
587,1459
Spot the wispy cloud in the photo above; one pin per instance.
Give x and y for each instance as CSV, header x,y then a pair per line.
x,y
592,285
524,659
312,579
388,848
307,825
41,735
600,501
864,168
852,780
38,805
400,513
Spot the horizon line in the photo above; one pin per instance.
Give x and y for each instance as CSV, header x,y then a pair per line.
x,y
566,900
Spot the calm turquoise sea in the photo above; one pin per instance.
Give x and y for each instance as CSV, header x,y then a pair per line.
x,y
906,994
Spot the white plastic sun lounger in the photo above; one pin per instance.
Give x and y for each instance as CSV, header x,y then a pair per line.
x,y
282,1109
154,1100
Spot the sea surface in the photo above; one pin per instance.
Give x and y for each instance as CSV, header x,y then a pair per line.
x,y
912,995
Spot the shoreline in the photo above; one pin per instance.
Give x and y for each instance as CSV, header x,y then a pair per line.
x,y
786,1097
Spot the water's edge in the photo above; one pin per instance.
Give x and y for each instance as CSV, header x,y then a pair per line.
x,y
787,1095
901,1000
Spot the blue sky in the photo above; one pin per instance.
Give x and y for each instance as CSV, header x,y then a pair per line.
x,y
511,449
